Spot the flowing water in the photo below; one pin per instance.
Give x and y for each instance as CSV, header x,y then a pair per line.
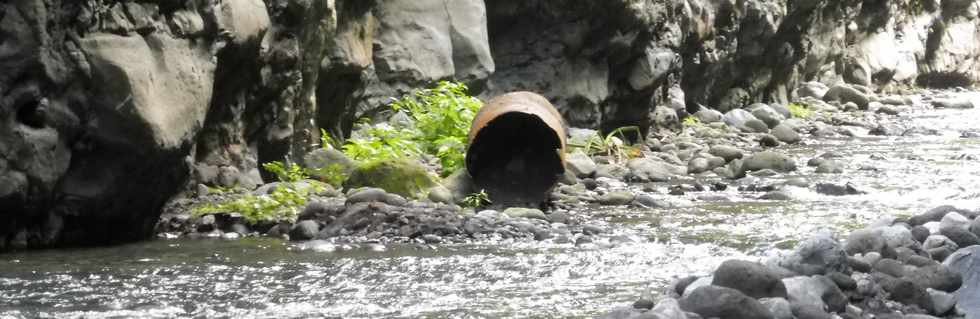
x,y
267,278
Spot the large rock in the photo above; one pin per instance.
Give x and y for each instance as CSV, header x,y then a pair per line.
x,y
725,303
815,291
429,40
766,114
939,277
727,152
844,93
653,67
786,134
244,20
876,239
752,279
144,91
581,165
648,170
817,255
770,160
95,128
399,176
966,263
812,89
708,116
324,162
740,119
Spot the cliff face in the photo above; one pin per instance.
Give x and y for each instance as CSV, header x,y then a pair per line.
x,y
109,108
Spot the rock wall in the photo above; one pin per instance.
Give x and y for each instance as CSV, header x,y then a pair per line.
x,y
108,108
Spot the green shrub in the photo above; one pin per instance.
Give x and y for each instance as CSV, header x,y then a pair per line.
x,y
334,174
286,173
691,120
443,116
382,142
613,144
799,110
282,204
476,200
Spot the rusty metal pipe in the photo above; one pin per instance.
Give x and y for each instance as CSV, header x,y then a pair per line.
x,y
516,148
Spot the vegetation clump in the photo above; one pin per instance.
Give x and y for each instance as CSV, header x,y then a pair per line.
x,y
389,156
691,120
476,200
613,144
281,204
800,110
443,116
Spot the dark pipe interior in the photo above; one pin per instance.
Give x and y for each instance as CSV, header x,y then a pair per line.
x,y
515,158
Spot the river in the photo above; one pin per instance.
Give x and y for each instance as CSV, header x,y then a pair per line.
x,y
645,251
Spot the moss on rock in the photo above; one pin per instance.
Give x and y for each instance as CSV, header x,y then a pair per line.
x,y
399,176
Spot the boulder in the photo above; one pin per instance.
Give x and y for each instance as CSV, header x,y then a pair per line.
x,y
966,263
648,170
738,118
952,103
939,277
837,190
429,40
876,239
815,291
708,116
844,93
725,303
324,161
818,254
304,230
779,307
766,114
752,279
581,165
399,176
652,67
616,198
727,152
812,89
829,167
786,134
770,160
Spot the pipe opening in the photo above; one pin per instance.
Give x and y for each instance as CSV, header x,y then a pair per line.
x,y
515,158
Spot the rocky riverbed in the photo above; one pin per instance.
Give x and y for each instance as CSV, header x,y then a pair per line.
x,y
718,218
903,263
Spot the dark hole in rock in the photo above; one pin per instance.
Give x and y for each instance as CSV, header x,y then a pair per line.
x,y
515,158
31,114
